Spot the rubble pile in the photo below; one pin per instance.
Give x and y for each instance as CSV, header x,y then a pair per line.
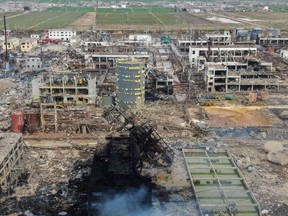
x,y
276,152
71,119
67,60
196,94
51,185
279,63
13,97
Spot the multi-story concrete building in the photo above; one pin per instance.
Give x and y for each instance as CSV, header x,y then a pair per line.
x,y
224,39
199,55
12,43
63,34
103,61
28,44
138,39
67,88
32,62
253,75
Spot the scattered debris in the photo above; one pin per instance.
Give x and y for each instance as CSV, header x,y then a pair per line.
x,y
278,157
273,146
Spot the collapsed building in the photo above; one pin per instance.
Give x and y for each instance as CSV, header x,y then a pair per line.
x,y
54,91
231,67
101,61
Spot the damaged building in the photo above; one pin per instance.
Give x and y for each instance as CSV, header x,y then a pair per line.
x,y
12,151
31,62
125,123
232,67
64,88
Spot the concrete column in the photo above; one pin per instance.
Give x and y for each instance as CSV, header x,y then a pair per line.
x,y
226,81
84,129
35,90
92,90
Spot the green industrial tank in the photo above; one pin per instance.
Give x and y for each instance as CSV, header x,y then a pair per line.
x,y
229,97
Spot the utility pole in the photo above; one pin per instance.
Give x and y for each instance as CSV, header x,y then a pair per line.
x,y
5,29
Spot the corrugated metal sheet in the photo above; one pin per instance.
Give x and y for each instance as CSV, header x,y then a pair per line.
x,y
218,184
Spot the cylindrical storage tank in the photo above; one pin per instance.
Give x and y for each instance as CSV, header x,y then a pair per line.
x,y
17,118
130,85
33,122
237,30
228,97
242,34
273,32
165,40
107,100
255,33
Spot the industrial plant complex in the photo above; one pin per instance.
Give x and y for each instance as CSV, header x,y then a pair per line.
x,y
107,117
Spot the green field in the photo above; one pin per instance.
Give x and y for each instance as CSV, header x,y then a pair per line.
x,y
134,10
9,14
167,18
142,18
57,17
111,19
279,8
135,16
75,9
42,20
113,10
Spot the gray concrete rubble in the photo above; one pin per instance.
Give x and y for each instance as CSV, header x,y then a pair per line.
x,y
171,123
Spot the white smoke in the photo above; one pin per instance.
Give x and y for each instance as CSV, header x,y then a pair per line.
x,y
129,203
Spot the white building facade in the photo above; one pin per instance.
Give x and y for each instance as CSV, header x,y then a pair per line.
x,y
142,39
63,34
37,36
